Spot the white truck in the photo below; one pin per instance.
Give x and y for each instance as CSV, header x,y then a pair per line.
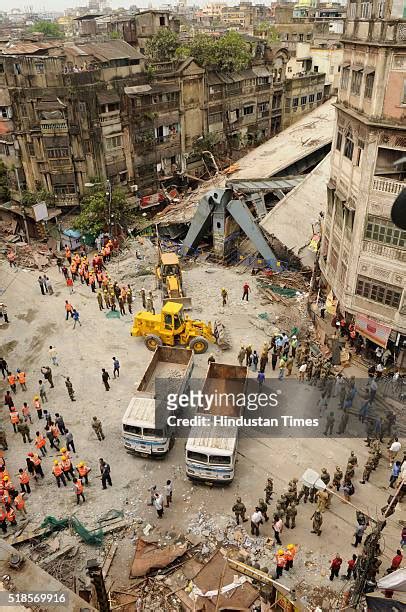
x,y
211,449
140,432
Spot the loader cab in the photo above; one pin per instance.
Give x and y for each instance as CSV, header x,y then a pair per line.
x,y
169,265
173,318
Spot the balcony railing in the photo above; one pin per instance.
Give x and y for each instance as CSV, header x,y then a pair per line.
x,y
56,125
67,199
385,251
111,117
387,186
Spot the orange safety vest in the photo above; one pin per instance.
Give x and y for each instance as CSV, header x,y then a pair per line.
x,y
11,379
3,515
57,470
73,267
82,470
14,417
24,478
68,307
11,515
66,465
8,485
11,256
21,377
37,405
67,252
77,258
289,556
40,441
36,460
4,473
19,501
78,487
6,498
99,277
280,560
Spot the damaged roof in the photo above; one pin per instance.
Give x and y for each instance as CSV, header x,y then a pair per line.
x,y
105,51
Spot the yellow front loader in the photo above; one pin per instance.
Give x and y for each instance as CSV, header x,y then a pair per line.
x,y
169,278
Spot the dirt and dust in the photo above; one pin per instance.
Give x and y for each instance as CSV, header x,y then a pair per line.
x,y
84,351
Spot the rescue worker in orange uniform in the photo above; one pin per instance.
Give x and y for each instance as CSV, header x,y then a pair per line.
x,y
289,556
58,473
11,515
40,443
68,254
19,503
37,406
83,471
37,465
12,382
22,380
15,419
11,256
3,519
67,467
5,497
24,481
280,562
68,309
78,488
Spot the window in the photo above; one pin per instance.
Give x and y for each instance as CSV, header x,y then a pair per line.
x,y
315,68
301,37
383,230
248,110
31,150
39,67
331,69
5,112
339,140
311,98
295,102
404,92
277,101
366,8
215,118
113,142
1,68
303,100
352,10
358,154
287,103
345,76
162,21
381,9
57,153
263,107
333,259
82,108
356,82
319,95
369,84
4,149
64,189
17,69
349,145
378,291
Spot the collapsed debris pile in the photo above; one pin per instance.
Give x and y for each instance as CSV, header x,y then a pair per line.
x,y
35,256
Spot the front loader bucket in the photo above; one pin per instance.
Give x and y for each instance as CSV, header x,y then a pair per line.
x,y
186,301
223,339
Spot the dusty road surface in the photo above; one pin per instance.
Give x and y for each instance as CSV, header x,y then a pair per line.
x,y
38,321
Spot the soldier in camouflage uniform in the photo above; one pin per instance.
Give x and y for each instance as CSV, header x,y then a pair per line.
x,y
304,492
268,490
239,510
325,476
317,518
353,459
291,513
367,471
263,508
349,472
312,494
322,501
281,505
337,478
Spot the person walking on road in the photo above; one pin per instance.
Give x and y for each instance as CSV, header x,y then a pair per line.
x,y
168,492
335,567
53,355
69,386
47,373
256,521
75,317
224,295
105,379
98,428
116,367
277,527
245,291
58,473
105,473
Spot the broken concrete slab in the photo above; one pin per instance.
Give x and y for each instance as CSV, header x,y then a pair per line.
x,y
148,557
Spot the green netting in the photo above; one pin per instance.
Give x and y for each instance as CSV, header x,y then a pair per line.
x,y
113,314
285,291
94,537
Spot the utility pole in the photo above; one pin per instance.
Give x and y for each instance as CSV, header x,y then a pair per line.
x,y
27,236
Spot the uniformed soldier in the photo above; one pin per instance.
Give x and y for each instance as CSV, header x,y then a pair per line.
x,y
338,475
353,459
268,490
343,422
281,505
367,471
241,355
317,522
263,508
291,513
304,492
312,494
322,500
349,472
70,389
329,424
325,476
239,510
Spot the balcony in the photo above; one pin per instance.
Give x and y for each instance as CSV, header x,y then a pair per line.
x,y
387,186
67,199
392,253
55,126
109,118
60,164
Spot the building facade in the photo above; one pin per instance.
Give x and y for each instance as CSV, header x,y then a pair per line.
x,y
363,257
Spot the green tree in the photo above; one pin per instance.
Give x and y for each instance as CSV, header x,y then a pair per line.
x,y
48,28
94,215
272,34
226,54
4,184
29,198
162,47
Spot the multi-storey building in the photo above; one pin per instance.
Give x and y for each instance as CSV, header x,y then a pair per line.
x,y
363,257
73,112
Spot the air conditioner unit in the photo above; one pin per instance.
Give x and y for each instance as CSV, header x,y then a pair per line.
x,y
134,188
